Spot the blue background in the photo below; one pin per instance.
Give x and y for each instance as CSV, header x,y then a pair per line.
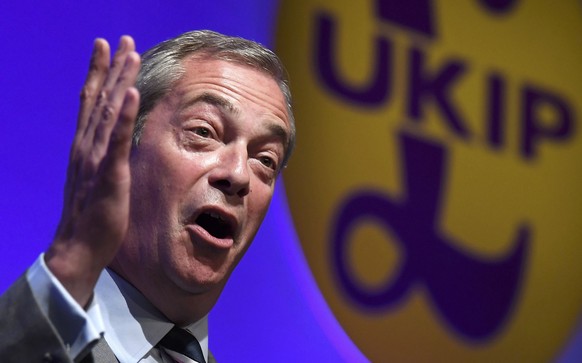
x,y
271,310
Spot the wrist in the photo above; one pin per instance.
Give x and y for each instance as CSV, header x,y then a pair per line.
x,y
75,270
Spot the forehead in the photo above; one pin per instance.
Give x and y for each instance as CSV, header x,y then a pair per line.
x,y
246,86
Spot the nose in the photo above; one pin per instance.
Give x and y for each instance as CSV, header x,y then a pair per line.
x,y
231,173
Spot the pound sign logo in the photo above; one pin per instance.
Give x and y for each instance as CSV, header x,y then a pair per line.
x,y
474,296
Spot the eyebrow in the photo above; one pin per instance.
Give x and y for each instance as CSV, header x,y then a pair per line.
x,y
214,100
280,133
275,130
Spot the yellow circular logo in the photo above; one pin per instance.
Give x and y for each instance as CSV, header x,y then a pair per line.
x,y
436,182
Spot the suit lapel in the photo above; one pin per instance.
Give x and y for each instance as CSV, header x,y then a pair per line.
x,y
102,353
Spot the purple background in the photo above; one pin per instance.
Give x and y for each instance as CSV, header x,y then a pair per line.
x,y
270,310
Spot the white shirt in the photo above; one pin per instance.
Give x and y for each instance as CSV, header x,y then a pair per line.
x,y
127,320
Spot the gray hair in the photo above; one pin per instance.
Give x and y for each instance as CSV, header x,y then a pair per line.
x,y
162,67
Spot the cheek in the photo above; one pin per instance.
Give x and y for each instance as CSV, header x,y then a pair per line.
x,y
171,251
155,203
157,183
258,204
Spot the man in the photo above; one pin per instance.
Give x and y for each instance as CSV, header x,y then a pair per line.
x,y
170,213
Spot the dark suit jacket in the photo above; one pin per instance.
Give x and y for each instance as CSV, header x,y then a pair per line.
x,y
26,335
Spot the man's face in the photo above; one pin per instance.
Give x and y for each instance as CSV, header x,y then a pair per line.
x,y
202,179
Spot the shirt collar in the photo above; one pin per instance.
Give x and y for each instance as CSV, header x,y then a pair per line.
x,y
133,326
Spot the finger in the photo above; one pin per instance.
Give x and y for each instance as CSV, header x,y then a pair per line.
x,y
111,111
98,70
115,166
126,45
103,103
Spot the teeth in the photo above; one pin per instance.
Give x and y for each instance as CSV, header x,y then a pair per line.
x,y
216,215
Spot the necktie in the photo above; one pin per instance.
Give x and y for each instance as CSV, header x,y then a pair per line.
x,y
179,340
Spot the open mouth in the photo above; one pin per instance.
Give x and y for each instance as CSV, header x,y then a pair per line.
x,y
215,224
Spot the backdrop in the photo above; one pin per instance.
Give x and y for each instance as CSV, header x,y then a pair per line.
x,y
271,310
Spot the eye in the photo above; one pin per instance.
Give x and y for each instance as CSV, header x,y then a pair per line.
x,y
202,131
268,162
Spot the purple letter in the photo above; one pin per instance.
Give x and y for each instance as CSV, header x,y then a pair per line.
x,y
496,110
376,92
424,87
536,127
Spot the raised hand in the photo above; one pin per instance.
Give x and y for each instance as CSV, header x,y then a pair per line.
x,y
96,200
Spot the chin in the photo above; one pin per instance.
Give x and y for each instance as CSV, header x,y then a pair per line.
x,y
201,279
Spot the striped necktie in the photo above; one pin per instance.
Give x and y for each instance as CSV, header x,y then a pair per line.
x,y
180,341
